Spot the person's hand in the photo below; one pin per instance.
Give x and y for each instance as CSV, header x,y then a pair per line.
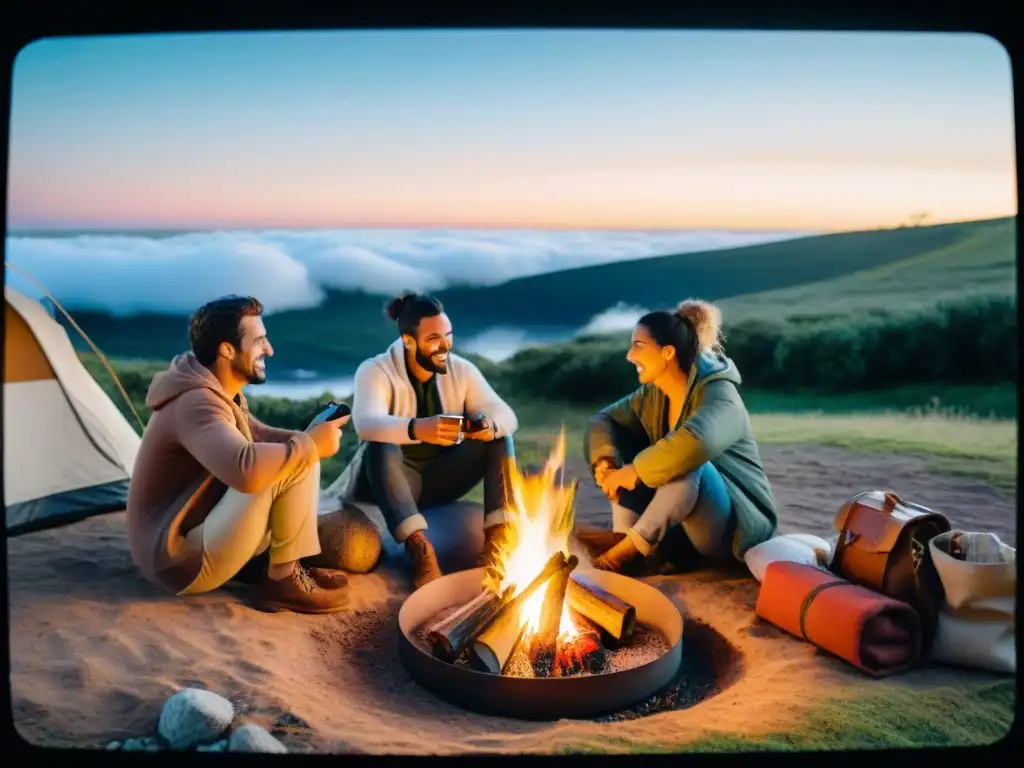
x,y
327,436
486,434
624,477
601,470
436,430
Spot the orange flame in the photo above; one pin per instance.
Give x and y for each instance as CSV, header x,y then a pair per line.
x,y
540,518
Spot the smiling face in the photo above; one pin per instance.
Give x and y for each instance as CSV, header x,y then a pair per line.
x,y
651,361
432,343
248,361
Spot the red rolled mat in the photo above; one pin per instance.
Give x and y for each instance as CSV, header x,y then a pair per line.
x,y
874,633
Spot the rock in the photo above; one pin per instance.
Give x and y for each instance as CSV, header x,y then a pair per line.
x,y
133,745
193,716
349,541
219,746
253,738
114,745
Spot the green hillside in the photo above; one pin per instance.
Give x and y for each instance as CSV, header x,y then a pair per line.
x,y
808,277
984,263
572,297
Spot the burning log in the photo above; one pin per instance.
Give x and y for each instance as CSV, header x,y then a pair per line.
x,y
450,636
493,647
581,653
616,617
541,651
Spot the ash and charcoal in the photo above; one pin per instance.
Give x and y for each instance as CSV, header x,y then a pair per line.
x,y
645,646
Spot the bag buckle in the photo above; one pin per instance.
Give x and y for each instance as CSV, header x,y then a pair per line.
x,y
916,552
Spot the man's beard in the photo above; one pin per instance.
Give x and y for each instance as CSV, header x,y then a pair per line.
x,y
428,364
250,374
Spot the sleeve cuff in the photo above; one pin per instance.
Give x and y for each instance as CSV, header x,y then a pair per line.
x,y
638,467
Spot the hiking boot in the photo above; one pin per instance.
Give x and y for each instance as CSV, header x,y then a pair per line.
x,y
618,557
495,539
424,560
596,542
328,578
301,594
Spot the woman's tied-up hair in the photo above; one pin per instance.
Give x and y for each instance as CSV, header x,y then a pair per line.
x,y
693,328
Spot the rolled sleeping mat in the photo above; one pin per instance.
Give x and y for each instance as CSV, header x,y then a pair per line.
x,y
877,634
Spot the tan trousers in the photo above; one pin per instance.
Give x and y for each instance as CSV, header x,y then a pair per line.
x,y
243,525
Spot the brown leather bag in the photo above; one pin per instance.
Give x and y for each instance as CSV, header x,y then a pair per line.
x,y
883,545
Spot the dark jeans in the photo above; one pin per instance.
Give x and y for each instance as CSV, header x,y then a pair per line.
x,y
400,489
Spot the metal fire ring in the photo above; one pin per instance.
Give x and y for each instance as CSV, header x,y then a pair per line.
x,y
539,698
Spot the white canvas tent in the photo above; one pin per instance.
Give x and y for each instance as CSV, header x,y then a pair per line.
x,y
68,451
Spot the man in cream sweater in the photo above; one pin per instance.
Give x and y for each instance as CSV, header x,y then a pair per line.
x,y
409,457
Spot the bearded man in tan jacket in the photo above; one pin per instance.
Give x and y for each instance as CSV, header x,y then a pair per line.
x,y
212,487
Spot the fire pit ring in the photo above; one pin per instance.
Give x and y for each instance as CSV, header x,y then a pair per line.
x,y
539,698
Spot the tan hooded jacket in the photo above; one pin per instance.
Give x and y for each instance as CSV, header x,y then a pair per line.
x,y
197,444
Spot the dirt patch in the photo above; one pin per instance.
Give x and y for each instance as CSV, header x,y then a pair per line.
x,y
95,650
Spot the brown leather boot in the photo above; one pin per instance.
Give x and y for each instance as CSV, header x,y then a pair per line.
x,y
328,578
596,542
300,593
618,557
424,560
495,538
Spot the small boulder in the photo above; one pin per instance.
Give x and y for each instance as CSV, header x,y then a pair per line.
x,y
113,745
253,738
349,541
217,746
193,716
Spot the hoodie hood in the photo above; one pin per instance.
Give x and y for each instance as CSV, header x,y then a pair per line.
x,y
185,374
712,367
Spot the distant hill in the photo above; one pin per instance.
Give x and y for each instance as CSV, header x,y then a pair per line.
x,y
804,275
983,262
571,297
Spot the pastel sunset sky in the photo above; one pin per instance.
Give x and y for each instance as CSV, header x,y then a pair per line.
x,y
511,128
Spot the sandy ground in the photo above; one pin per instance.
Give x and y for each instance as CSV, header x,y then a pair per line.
x,y
95,651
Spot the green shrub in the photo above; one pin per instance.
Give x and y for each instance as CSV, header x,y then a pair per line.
x,y
973,341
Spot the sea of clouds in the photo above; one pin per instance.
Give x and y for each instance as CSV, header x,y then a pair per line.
x,y
130,273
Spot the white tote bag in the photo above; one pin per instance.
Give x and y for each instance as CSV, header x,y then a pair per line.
x,y
977,622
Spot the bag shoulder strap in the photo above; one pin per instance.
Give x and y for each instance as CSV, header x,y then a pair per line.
x,y
806,605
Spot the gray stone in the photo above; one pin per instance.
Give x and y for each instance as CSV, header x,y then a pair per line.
x,y
217,746
114,745
193,716
253,738
132,745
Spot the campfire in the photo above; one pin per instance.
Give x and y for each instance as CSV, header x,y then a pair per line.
x,y
534,616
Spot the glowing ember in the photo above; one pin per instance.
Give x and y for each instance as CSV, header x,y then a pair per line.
x,y
540,519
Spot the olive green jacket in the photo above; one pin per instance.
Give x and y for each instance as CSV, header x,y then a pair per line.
x,y
713,427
